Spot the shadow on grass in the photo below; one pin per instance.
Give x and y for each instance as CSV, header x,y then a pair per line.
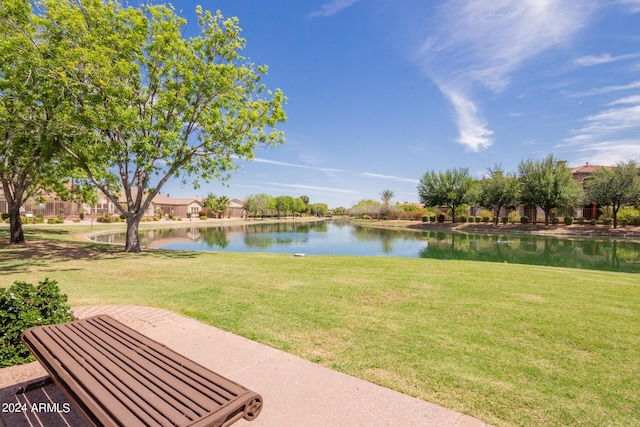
x,y
45,253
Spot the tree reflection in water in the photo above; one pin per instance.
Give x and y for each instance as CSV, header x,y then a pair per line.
x,y
342,238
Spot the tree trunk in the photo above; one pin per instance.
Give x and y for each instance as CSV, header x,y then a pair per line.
x,y
15,227
133,240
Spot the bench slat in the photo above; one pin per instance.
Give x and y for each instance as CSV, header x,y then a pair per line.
x,y
117,376
169,361
70,371
120,380
131,366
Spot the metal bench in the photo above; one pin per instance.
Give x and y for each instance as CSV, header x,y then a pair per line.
x,y
119,377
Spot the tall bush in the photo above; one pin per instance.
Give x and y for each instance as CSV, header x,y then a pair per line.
x,y
23,306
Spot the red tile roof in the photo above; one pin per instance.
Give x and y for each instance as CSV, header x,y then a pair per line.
x,y
588,168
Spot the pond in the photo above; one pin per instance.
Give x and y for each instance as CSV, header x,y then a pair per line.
x,y
343,238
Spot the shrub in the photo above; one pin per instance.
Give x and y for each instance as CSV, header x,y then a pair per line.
x,y
432,218
505,219
441,217
463,218
568,220
478,219
485,219
55,221
524,220
424,218
635,221
487,213
513,217
607,221
23,306
628,213
580,220
203,212
203,217
593,221
555,220
4,216
623,222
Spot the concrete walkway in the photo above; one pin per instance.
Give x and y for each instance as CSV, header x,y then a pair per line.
x,y
296,392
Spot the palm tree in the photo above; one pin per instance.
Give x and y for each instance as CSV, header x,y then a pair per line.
x,y
221,204
386,197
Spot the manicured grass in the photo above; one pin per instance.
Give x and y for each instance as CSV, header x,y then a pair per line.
x,y
510,344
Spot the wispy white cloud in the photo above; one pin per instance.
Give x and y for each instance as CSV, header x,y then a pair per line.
x,y
609,122
473,130
609,152
605,58
293,165
483,42
389,177
634,99
609,89
632,5
610,135
312,187
333,7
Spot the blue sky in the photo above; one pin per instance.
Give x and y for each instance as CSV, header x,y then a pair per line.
x,y
379,92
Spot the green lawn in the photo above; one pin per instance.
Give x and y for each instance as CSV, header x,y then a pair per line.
x,y
510,344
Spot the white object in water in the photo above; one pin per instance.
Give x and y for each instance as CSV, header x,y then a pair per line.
x,y
298,255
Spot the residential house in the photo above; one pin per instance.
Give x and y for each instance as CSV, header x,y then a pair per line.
x,y
235,208
52,206
175,207
581,175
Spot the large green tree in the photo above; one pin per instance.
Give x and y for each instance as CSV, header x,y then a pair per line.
x,y
451,188
617,186
498,190
145,104
284,203
319,209
366,207
547,183
259,202
30,161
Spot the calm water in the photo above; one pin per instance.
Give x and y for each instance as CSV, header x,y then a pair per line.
x,y
342,238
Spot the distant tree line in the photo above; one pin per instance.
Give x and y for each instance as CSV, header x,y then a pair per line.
x,y
264,205
547,184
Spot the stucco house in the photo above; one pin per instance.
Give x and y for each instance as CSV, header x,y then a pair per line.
x,y
176,207
52,206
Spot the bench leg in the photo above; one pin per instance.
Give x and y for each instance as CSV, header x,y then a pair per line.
x,y
35,384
